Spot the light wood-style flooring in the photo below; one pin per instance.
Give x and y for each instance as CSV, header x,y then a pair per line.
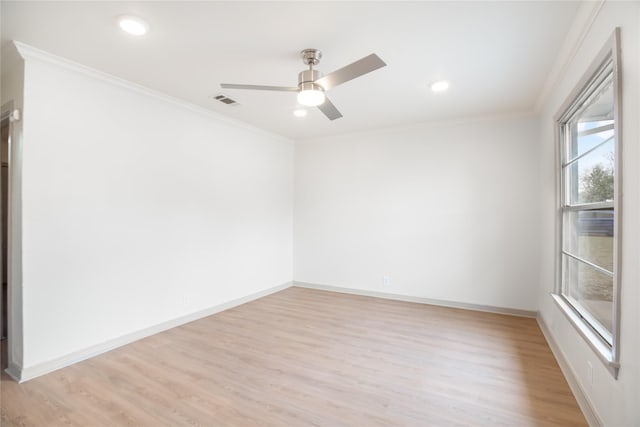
x,y
304,357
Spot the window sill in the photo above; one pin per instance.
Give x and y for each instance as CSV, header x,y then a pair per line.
x,y
602,350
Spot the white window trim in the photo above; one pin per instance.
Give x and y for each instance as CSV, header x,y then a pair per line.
x,y
608,354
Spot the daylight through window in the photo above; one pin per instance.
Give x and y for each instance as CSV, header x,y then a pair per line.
x,y
589,178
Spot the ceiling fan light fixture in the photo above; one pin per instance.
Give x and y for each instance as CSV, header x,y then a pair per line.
x,y
311,97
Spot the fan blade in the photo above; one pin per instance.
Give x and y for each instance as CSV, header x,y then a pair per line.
x,y
329,110
351,71
259,87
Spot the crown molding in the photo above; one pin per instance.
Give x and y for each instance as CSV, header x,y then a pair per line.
x,y
31,53
424,125
587,13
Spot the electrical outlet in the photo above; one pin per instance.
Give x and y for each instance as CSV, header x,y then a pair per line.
x,y
386,280
590,373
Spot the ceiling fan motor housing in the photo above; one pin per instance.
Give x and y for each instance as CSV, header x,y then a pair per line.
x,y
306,79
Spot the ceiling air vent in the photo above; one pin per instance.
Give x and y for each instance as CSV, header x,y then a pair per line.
x,y
225,99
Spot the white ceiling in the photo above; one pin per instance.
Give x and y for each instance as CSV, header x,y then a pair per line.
x,y
496,54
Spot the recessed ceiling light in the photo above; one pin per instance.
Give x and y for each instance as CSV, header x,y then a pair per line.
x,y
133,25
440,86
300,112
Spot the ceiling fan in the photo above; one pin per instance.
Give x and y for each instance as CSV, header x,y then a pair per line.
x,y
312,84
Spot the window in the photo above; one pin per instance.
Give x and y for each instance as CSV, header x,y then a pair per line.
x,y
589,184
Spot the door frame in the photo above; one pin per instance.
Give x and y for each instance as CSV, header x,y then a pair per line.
x,y
14,242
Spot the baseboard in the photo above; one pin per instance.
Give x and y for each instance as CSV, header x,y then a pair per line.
x,y
420,300
14,371
583,401
31,372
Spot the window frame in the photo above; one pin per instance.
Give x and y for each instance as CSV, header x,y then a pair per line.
x,y
608,352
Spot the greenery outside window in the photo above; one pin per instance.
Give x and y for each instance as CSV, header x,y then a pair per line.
x,y
588,129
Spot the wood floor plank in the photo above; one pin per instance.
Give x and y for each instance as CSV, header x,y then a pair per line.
x,y
305,357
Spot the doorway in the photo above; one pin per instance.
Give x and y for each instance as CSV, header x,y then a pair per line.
x,y
4,200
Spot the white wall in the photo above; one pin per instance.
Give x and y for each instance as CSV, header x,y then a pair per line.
x,y
615,402
447,211
137,210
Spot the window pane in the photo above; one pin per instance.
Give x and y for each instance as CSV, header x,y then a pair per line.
x,y
590,178
589,235
591,289
590,135
594,122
